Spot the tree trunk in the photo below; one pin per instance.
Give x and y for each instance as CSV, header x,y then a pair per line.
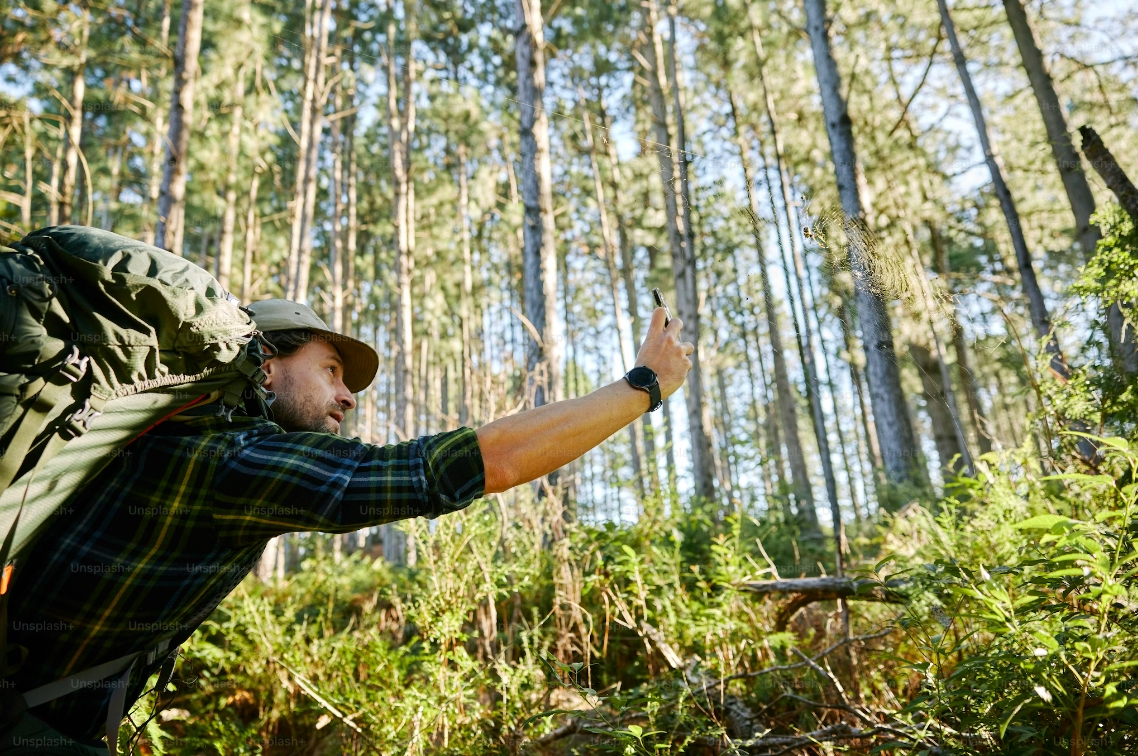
x,y
466,296
56,174
1111,172
111,198
645,431
1040,318
944,434
250,235
1066,158
794,284
610,250
401,130
672,170
900,453
296,218
964,368
75,119
157,146
787,396
336,189
229,218
172,194
29,174
539,254
306,192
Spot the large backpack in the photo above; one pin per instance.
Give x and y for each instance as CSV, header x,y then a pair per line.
x,y
101,338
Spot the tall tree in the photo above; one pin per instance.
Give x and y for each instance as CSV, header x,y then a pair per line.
x,y
401,130
300,250
671,154
1082,201
610,252
539,252
1040,317
172,193
75,115
229,215
896,439
157,146
786,395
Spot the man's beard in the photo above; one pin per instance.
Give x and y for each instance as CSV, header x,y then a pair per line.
x,y
294,412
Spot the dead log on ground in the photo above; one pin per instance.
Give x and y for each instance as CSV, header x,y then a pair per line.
x,y
805,591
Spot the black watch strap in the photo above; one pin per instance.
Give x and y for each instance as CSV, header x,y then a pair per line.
x,y
645,379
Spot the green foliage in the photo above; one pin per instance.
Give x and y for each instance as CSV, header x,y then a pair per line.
x,y
1023,636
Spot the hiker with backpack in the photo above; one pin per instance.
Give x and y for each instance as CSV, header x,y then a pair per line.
x,y
147,462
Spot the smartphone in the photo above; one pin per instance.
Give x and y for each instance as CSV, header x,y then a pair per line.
x,y
661,303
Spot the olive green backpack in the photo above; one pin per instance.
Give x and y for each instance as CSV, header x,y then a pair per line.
x,y
101,338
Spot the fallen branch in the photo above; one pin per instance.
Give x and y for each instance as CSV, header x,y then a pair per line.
x,y
805,591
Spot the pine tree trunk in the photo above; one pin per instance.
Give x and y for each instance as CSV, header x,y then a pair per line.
x,y
308,94
307,191
56,174
1037,307
29,174
400,129
944,435
172,193
785,393
672,172
964,368
110,198
75,119
645,431
539,253
466,296
610,253
229,217
157,145
899,449
250,236
336,189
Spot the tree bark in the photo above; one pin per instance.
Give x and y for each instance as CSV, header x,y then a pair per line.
x,y
610,250
899,449
539,254
157,145
944,434
250,236
172,193
229,217
1040,318
1111,172
306,192
786,395
75,118
29,174
672,170
645,431
401,130
466,296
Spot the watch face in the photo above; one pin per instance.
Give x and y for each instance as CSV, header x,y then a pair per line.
x,y
642,377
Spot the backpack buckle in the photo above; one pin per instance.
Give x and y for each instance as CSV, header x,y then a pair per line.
x,y
79,422
74,365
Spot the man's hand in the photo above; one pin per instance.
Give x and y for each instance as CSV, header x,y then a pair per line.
x,y
523,447
665,354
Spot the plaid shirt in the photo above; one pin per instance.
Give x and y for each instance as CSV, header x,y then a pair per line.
x,y
153,545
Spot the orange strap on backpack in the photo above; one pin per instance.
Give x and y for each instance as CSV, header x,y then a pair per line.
x,y
5,578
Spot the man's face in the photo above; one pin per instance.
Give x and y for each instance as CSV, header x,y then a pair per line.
x,y
309,384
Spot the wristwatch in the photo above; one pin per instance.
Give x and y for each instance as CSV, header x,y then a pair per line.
x,y
645,379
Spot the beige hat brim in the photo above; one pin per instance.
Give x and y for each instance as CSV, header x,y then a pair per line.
x,y
361,362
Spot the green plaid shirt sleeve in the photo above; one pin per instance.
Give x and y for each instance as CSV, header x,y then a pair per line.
x,y
283,482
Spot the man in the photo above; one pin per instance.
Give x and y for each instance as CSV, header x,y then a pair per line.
x,y
167,530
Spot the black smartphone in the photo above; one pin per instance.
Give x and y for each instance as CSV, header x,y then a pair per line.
x,y
661,303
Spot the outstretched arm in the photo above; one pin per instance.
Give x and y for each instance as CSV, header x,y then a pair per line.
x,y
523,447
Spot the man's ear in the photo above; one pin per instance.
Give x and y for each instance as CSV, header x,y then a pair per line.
x,y
271,368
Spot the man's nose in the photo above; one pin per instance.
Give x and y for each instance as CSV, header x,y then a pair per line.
x,y
345,398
